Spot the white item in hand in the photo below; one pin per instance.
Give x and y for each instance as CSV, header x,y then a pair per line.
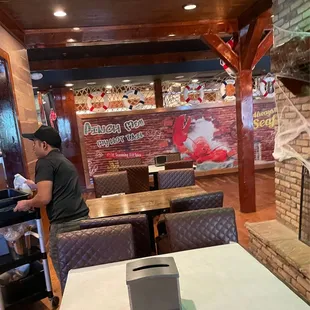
x,y
20,184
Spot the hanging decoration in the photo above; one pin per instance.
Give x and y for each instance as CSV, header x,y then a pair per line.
x,y
228,91
193,87
103,107
52,117
136,93
231,72
266,86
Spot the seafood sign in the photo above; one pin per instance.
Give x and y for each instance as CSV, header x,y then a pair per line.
x,y
204,135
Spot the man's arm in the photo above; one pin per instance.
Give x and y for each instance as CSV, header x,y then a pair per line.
x,y
42,198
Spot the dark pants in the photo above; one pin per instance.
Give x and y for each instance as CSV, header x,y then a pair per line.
x,y
56,229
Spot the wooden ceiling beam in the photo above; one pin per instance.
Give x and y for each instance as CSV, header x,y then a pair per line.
x,y
252,41
262,9
263,47
222,49
9,24
85,63
127,33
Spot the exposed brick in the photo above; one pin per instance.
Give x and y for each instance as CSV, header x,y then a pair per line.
x,y
287,278
295,4
306,150
296,20
295,187
285,195
295,175
291,271
298,287
285,184
278,261
306,107
291,215
303,8
302,143
291,180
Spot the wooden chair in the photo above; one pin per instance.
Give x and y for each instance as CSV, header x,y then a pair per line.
x,y
181,164
138,177
176,178
111,183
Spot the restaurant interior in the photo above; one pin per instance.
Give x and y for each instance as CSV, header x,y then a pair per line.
x,y
188,125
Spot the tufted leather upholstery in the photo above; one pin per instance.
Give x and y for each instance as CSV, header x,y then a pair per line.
x,y
180,164
140,229
130,161
111,183
176,178
92,247
198,229
199,202
176,156
138,177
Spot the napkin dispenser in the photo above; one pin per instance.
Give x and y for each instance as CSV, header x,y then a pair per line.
x,y
160,160
153,284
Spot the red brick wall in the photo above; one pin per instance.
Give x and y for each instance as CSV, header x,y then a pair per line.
x,y
209,127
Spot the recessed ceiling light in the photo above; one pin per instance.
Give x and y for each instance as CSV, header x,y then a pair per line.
x,y
60,13
179,77
171,35
69,85
189,7
35,87
152,83
36,76
91,83
125,81
109,86
76,29
195,80
71,40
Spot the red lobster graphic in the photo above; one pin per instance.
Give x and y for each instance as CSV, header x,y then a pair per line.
x,y
201,149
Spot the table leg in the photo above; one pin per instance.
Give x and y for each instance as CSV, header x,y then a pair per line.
x,y
155,181
150,218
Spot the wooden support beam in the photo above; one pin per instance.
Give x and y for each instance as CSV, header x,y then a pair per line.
x,y
245,135
159,101
222,49
85,63
9,24
126,33
252,40
260,8
264,46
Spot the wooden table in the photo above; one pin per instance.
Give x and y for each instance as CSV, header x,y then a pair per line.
x,y
144,202
215,278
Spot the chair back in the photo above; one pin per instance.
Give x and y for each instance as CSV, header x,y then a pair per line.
x,y
199,202
180,164
90,247
201,228
140,228
176,178
138,178
111,183
176,156
130,161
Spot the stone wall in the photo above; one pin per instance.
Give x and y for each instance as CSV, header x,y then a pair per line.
x,y
293,15
25,106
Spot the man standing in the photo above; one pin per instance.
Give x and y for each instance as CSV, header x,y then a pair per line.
x,y
57,184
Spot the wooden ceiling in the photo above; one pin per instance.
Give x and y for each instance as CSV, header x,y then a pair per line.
x,y
123,21
38,14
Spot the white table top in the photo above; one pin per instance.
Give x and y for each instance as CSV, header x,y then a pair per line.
x,y
154,169
215,278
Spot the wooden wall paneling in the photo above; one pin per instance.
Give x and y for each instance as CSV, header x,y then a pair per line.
x,y
16,30
68,128
263,47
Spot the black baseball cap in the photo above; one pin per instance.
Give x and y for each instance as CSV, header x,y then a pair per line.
x,y
47,134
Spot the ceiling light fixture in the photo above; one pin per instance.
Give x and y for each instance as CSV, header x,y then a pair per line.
x,y
179,77
152,83
189,7
171,35
71,40
35,87
125,81
108,86
69,85
60,13
195,80
91,83
76,29
36,76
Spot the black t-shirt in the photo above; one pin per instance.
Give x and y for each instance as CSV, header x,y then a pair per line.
x,y
67,203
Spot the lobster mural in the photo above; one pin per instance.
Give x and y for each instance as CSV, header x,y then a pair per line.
x,y
201,150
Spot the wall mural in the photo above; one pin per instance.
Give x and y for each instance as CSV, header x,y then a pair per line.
x,y
206,135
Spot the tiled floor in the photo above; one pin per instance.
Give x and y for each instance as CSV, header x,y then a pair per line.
x,y
265,199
